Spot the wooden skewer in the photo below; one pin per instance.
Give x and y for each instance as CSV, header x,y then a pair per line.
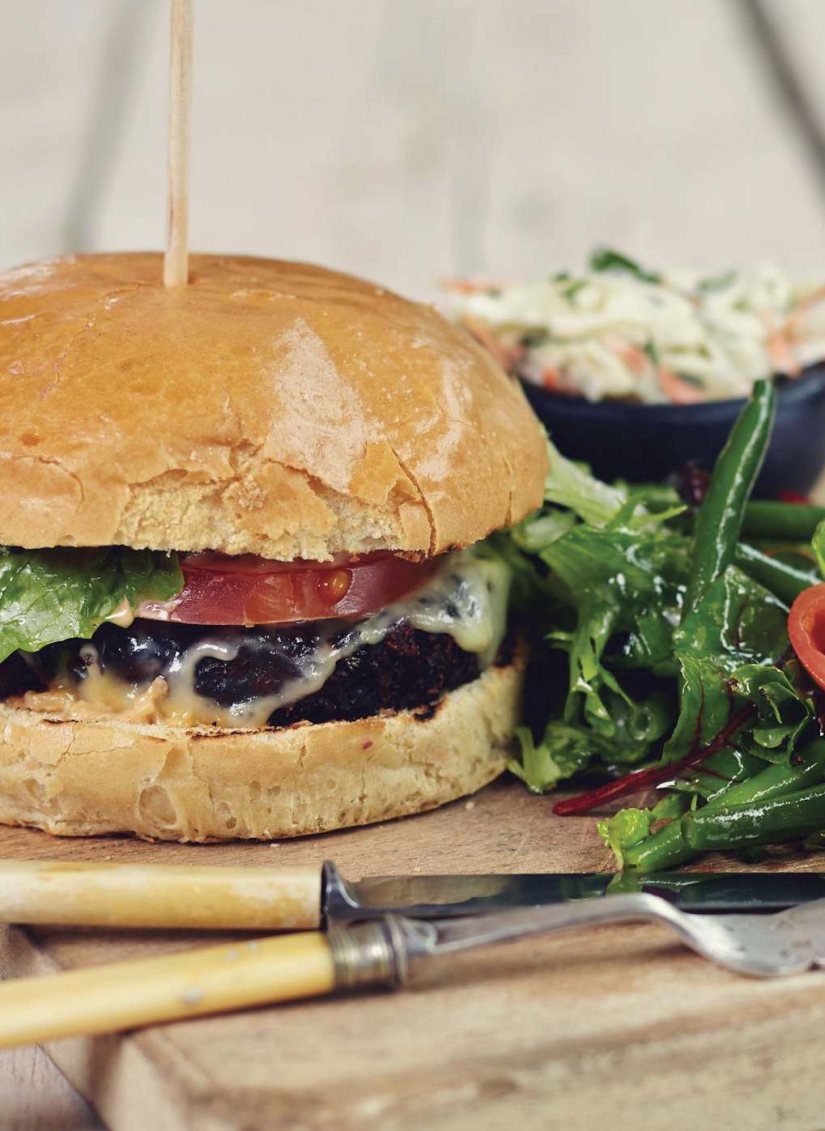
x,y
176,260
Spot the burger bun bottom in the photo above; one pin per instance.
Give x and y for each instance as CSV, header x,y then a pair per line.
x,y
79,778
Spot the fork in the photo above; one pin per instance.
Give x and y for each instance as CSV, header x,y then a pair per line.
x,y
759,945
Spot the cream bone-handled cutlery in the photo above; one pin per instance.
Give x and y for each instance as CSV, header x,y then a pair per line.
x,y
386,952
225,897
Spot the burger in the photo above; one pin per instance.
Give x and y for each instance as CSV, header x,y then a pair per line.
x,y
244,584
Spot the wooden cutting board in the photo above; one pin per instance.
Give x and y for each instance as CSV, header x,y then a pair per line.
x,y
618,1026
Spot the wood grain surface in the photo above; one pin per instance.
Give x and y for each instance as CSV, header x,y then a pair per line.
x,y
35,1096
618,1024
412,141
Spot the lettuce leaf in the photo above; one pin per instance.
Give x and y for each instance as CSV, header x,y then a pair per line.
x,y
52,595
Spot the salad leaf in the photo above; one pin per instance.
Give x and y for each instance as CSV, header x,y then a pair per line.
x,y
536,533
571,485
606,259
627,829
561,752
720,282
818,546
704,702
736,623
52,595
782,715
527,588
626,589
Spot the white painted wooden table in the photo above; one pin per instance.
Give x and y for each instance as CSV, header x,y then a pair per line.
x,y
407,142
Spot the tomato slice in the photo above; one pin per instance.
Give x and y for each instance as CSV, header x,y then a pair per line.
x,y
806,629
247,590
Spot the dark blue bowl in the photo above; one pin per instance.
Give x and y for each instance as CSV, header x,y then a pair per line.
x,y
646,443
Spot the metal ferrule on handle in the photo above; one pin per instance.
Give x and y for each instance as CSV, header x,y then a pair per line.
x,y
369,954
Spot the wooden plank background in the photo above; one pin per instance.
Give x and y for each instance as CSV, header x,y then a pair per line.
x,y
409,141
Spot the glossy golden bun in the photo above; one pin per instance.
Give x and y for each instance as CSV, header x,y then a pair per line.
x,y
270,408
77,778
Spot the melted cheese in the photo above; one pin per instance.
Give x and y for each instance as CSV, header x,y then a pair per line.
x,y
123,615
102,695
467,599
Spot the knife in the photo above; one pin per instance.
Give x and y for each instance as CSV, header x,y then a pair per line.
x,y
376,953
228,897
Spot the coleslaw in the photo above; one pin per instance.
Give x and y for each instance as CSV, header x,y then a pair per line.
x,y
619,331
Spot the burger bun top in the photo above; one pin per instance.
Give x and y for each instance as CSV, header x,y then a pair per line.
x,y
270,408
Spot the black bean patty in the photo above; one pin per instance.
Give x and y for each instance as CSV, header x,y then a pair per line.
x,y
408,669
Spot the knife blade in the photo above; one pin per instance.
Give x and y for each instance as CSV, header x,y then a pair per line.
x,y
233,898
441,897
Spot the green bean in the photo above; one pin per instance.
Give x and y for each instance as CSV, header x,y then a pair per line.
x,y
778,778
720,517
664,849
669,846
788,522
800,554
785,581
789,817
